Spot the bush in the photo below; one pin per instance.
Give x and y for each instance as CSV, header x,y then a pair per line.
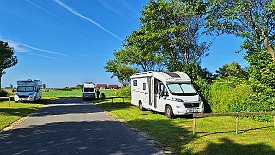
x,y
229,96
3,93
203,87
122,92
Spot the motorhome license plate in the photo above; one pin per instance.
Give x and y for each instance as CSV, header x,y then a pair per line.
x,y
193,110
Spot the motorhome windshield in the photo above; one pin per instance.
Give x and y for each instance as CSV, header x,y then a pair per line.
x,y
88,90
182,89
25,89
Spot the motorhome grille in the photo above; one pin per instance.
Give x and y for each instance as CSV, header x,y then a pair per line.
x,y
174,75
191,105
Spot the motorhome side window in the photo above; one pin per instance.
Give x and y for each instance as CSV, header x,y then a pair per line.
x,y
135,82
163,90
144,86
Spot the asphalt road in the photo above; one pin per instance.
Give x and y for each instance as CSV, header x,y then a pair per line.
x,y
70,126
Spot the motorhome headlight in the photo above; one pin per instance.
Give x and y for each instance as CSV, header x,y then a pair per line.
x,y
177,99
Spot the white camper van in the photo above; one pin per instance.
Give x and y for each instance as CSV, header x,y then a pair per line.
x,y
171,93
28,90
88,91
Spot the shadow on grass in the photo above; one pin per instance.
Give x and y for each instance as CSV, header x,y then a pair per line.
x,y
232,131
229,147
169,136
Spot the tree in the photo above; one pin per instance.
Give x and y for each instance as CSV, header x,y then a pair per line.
x,y
121,71
232,70
139,50
251,20
7,59
44,86
174,29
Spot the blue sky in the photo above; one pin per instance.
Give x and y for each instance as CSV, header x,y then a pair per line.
x,y
67,42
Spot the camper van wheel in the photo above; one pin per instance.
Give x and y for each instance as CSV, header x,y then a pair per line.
x,y
140,106
169,111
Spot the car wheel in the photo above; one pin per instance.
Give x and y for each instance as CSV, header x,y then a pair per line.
x,y
169,112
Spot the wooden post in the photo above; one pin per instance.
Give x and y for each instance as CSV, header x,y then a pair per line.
x,y
274,120
112,100
194,125
237,124
123,99
9,101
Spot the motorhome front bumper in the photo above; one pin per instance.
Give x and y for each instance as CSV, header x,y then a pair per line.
x,y
88,95
23,98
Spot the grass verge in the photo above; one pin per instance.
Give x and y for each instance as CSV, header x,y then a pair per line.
x,y
10,112
215,135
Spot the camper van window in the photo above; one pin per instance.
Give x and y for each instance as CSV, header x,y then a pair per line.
x,y
135,82
182,89
163,90
88,89
25,89
144,86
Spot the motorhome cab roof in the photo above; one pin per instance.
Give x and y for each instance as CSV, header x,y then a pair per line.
x,y
29,82
165,76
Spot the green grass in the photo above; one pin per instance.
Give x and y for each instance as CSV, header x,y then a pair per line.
x,y
73,93
10,112
60,93
215,135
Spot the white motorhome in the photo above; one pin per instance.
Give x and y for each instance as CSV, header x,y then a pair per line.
x,y
88,91
171,93
28,90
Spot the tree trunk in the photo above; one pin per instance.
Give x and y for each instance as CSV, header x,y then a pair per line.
x,y
269,48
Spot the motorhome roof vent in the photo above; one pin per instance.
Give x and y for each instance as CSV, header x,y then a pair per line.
x,y
174,75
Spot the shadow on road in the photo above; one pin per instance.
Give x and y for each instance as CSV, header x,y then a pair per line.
x,y
95,137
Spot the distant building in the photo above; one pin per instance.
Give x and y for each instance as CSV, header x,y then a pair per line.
x,y
112,86
101,86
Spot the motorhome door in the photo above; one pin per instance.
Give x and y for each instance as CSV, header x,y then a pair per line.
x,y
160,95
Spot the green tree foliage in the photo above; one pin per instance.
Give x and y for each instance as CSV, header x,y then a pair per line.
x,y
251,20
231,70
254,22
139,50
173,27
121,71
7,59
44,86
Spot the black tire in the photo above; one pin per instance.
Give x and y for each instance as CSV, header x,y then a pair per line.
x,y
169,112
140,106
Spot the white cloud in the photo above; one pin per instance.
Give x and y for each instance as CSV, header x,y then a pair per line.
x,y
73,11
25,48
44,56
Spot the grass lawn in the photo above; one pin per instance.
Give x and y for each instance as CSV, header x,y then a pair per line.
x,y
14,111
215,135
73,93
